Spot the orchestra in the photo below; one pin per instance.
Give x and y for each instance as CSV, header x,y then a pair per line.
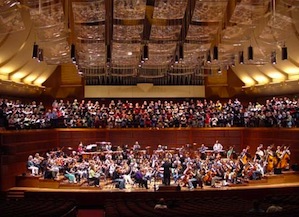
x,y
184,166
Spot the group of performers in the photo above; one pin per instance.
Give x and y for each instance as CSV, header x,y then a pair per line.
x,y
189,166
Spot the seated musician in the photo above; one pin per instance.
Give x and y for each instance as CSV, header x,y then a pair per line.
x,y
140,178
202,150
259,154
31,166
93,177
188,174
38,162
118,178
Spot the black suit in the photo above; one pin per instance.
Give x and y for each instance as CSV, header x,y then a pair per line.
x,y
166,173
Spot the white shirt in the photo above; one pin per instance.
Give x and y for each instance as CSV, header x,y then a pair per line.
x,y
217,147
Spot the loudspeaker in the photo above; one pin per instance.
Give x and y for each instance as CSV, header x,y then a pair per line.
x,y
277,170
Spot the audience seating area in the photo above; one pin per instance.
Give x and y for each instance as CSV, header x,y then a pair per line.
x,y
37,207
203,206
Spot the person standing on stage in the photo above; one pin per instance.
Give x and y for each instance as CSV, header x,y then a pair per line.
x,y
217,147
166,173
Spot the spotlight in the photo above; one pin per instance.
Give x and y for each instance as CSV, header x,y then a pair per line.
x,y
284,53
273,57
215,53
181,51
241,57
250,53
209,57
35,51
145,52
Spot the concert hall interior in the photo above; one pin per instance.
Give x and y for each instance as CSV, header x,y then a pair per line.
x,y
149,108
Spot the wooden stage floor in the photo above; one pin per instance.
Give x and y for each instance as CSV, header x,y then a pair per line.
x,y
287,178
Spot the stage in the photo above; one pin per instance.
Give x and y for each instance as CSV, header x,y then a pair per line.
x,y
90,196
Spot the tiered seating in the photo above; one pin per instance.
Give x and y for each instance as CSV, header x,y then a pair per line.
x,y
37,207
213,206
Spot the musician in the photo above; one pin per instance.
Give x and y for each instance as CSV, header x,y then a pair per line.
x,y
202,150
217,147
37,160
31,166
259,154
230,152
188,175
140,178
136,146
118,178
80,148
93,177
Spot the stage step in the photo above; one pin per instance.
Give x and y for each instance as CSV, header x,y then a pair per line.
x,y
15,194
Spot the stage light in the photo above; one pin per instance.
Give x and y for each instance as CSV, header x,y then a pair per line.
x,y
73,52
145,52
176,59
35,51
284,53
250,53
215,53
181,51
209,57
241,57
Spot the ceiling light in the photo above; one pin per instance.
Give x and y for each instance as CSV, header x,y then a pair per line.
x,y
241,57
284,53
145,52
130,53
209,57
181,51
215,53
73,52
250,53
35,51
176,59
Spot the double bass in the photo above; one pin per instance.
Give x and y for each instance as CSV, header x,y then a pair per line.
x,y
285,159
